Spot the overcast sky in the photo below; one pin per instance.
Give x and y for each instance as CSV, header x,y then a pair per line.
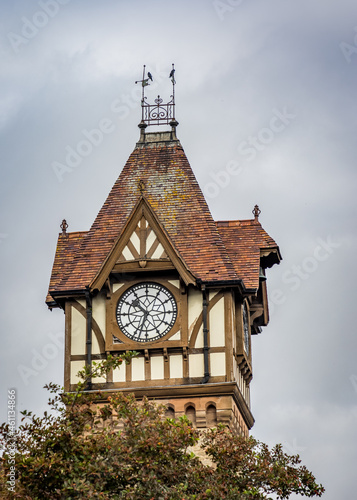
x,y
266,101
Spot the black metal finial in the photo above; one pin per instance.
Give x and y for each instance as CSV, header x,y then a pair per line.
x,y
256,212
159,113
64,226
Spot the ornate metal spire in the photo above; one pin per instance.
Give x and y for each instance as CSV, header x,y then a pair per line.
x,y
256,212
159,113
64,226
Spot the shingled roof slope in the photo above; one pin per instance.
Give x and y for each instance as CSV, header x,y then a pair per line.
x,y
67,247
159,171
244,241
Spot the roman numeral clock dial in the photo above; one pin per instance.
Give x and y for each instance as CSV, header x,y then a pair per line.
x,y
146,312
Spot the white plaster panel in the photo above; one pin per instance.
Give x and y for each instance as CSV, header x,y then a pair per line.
x,y
216,324
127,254
135,241
78,334
150,240
119,373
158,252
116,286
196,365
174,283
79,365
199,339
75,367
95,345
157,367
194,308
176,367
99,380
218,363
212,293
137,369
177,336
99,315
82,302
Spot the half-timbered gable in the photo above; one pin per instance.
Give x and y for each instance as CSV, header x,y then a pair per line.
x,y
156,274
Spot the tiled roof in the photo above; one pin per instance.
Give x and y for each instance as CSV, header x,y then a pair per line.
x,y
160,172
67,246
244,241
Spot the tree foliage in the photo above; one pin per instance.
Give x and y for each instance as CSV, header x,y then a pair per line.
x,y
118,448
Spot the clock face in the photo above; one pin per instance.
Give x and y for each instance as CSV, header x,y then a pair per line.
x,y
246,329
146,312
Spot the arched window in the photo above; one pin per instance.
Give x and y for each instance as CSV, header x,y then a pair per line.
x,y
191,414
211,416
170,412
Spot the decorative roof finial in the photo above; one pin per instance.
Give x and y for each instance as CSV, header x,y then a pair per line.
x,y
256,212
141,186
159,113
64,226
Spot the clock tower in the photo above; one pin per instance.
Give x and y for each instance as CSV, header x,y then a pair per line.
x,y
156,274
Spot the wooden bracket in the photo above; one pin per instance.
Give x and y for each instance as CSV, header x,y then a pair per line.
x,y
244,367
109,288
256,313
147,357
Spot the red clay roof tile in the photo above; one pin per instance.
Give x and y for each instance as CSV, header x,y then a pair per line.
x,y
245,240
67,246
160,171
172,191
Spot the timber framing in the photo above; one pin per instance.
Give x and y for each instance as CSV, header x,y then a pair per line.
x,y
155,227
111,263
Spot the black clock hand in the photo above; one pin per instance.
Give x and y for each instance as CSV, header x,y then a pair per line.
x,y
142,324
136,303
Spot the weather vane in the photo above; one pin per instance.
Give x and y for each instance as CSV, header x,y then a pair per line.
x,y
159,113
